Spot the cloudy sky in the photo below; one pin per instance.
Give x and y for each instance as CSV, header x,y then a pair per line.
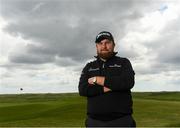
x,y
44,44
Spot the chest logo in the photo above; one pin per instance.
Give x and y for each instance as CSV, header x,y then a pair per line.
x,y
115,65
93,69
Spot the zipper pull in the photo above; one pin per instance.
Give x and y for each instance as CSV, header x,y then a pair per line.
x,y
103,65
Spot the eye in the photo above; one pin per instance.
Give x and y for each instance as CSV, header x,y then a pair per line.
x,y
101,43
108,42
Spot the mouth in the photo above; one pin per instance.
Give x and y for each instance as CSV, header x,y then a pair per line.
x,y
104,50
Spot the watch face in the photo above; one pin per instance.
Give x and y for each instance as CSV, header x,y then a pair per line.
x,y
94,80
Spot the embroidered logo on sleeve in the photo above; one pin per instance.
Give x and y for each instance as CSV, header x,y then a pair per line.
x,y
115,65
93,69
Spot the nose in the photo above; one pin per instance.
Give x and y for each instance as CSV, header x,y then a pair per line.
x,y
103,45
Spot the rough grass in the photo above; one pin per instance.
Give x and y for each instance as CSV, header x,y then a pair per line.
x,y
66,110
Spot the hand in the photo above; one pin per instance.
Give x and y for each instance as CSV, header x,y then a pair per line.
x,y
107,89
90,81
99,80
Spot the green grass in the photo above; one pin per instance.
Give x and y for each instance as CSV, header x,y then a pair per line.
x,y
66,110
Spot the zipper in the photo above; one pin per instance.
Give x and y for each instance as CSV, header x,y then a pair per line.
x,y
103,65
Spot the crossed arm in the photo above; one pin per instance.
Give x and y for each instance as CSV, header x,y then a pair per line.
x,y
99,81
103,84
88,88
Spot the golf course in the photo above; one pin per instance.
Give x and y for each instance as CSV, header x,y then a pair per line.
x,y
152,109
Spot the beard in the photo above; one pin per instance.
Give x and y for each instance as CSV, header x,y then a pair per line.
x,y
105,55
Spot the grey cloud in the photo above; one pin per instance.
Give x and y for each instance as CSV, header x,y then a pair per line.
x,y
169,51
47,8
32,58
169,54
165,50
22,56
65,61
129,53
11,67
167,46
66,28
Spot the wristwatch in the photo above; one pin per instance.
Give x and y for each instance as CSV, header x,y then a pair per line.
x,y
94,80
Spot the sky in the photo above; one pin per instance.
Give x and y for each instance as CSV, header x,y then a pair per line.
x,y
44,44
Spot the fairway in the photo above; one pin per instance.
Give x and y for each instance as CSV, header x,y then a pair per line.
x,y
69,109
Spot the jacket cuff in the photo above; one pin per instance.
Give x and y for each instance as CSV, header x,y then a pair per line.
x,y
107,82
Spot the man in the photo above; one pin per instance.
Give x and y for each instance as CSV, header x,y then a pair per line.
x,y
107,83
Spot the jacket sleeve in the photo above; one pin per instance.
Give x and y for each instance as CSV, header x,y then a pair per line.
x,y
125,81
85,89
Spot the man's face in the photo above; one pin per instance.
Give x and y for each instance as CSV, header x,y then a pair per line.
x,y
105,48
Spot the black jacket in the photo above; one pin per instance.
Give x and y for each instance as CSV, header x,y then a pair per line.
x,y
119,77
